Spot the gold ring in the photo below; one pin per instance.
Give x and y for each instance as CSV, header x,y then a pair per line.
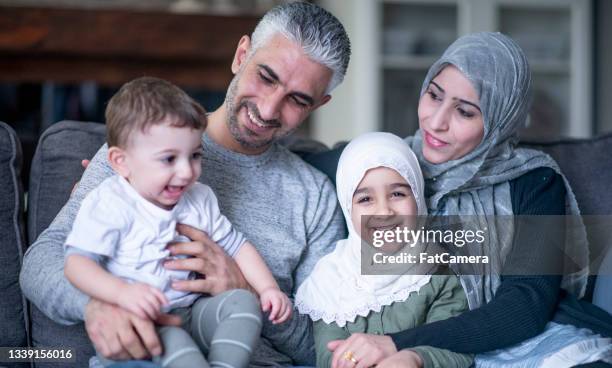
x,y
348,355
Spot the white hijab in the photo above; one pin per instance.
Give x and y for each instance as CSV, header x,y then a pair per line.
x,y
336,291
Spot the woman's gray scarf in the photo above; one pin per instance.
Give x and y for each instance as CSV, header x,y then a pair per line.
x,y
478,183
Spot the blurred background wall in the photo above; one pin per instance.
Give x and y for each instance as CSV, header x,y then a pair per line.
x,y
395,41
63,59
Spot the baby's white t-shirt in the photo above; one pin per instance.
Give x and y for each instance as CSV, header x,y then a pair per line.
x,y
131,233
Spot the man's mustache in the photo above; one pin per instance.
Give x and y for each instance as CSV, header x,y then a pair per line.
x,y
255,111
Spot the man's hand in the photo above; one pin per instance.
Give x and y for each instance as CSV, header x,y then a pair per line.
x,y
217,272
366,349
120,335
402,359
277,302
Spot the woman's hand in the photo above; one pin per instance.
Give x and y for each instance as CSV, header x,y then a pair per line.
x,y
365,349
402,359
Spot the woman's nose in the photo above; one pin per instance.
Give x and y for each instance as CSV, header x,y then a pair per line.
x,y
439,119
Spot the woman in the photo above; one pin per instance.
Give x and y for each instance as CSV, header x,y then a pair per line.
x,y
473,102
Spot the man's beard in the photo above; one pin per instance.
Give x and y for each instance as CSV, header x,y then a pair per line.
x,y
242,137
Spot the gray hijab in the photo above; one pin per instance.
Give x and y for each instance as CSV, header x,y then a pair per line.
x,y
478,183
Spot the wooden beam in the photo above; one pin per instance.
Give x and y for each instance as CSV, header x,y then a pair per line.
x,y
110,72
113,46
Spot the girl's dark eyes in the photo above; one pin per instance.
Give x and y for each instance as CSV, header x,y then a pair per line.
x,y
363,199
398,194
196,155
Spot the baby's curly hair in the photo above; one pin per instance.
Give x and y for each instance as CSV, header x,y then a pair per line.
x,y
148,101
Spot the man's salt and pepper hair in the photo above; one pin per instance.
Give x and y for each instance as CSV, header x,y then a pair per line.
x,y
320,34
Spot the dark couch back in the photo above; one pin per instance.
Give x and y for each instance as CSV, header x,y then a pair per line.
x,y
13,309
55,169
587,164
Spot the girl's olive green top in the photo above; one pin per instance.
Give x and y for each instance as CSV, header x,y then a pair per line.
x,y
441,298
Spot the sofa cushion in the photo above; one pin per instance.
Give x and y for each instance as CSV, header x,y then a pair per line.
x,y
13,321
587,164
55,169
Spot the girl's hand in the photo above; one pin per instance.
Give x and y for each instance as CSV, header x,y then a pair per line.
x,y
279,305
143,300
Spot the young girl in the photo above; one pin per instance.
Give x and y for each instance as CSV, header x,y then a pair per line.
x,y
378,177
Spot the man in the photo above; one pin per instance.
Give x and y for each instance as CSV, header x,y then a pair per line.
x,y
297,54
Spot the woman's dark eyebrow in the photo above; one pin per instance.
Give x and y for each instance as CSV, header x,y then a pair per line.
x,y
437,85
458,99
469,103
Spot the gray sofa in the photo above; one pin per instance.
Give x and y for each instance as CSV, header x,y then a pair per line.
x,y
56,166
14,321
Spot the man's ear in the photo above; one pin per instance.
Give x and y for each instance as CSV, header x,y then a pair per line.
x,y
242,51
117,158
323,101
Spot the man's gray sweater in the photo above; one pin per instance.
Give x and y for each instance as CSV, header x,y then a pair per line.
x,y
285,207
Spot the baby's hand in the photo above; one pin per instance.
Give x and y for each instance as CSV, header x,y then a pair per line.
x,y
279,305
143,300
